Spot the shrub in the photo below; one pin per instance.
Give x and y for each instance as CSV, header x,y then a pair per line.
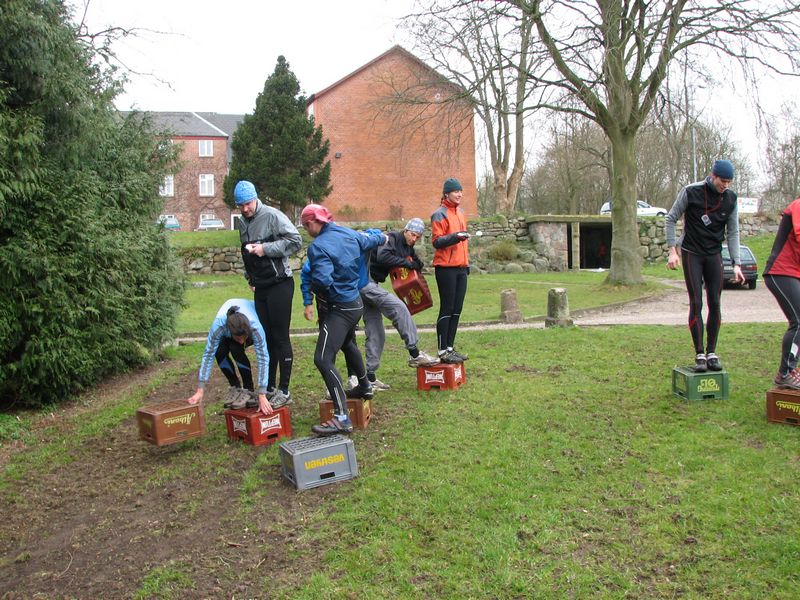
x,y
88,284
503,250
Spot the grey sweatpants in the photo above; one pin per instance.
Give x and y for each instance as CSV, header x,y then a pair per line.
x,y
379,303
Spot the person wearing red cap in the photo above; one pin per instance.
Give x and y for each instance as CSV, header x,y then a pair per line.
x,y
336,269
451,262
710,214
782,278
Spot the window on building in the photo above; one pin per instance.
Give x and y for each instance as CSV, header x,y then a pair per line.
x,y
207,184
168,186
206,147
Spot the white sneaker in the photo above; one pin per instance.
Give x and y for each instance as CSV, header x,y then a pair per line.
x,y
423,360
379,386
351,382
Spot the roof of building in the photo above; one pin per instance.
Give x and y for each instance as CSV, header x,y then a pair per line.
x,y
196,124
394,49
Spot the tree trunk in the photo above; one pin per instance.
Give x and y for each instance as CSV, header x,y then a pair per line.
x,y
626,262
501,204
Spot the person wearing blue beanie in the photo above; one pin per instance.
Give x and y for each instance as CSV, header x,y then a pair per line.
x,y
268,238
710,215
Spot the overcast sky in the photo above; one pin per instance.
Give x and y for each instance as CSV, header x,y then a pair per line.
x,y
207,55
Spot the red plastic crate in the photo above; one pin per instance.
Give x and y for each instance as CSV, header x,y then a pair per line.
x,y
170,422
411,287
783,406
360,411
254,427
443,376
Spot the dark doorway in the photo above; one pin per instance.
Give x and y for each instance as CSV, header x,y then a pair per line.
x,y
595,245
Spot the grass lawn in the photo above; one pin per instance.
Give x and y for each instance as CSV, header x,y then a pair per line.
x,y
564,467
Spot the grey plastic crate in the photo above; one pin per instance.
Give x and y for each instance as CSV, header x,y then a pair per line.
x,y
315,461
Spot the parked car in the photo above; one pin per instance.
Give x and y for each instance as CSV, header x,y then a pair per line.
x,y
169,222
643,209
749,266
211,225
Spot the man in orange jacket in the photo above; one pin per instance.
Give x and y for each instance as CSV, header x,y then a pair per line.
x,y
451,263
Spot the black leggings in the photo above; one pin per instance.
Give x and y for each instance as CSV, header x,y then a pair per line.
x,y
229,346
452,284
274,309
698,269
786,290
337,331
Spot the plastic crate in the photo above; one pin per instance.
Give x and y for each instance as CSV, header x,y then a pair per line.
x,y
444,376
170,422
783,406
315,461
411,287
360,411
254,427
691,386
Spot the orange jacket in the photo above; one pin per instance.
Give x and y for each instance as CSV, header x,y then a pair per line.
x,y
450,250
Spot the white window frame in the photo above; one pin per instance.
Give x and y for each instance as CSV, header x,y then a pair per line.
x,y
205,148
234,217
206,184
167,187
207,216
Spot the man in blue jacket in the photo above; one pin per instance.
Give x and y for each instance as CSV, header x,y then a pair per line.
x,y
336,262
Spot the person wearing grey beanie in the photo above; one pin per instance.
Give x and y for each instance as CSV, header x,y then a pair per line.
x,y
710,214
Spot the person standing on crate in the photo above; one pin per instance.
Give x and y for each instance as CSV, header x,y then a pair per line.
x,y
782,278
378,303
268,239
451,263
336,260
710,213
236,327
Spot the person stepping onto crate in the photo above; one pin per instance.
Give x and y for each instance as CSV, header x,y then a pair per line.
x,y
235,327
336,260
378,303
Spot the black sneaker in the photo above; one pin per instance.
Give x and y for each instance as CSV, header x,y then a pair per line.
x,y
700,364
365,392
461,357
333,426
452,358
712,360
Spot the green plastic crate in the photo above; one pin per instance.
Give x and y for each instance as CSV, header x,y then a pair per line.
x,y
690,386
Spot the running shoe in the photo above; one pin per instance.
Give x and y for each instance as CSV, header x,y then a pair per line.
x,y
700,364
423,360
237,398
351,382
712,360
790,381
379,386
365,392
280,398
460,356
452,357
333,426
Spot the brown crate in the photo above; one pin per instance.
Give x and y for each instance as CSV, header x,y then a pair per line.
x,y
254,427
170,422
360,411
411,287
783,406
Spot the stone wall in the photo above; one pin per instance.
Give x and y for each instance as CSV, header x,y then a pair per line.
x,y
543,244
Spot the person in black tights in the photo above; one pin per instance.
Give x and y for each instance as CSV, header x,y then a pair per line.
x,y
710,214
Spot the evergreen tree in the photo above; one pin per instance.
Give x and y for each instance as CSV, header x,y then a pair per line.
x,y
279,148
88,284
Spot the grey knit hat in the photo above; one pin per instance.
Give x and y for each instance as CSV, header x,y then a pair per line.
x,y
415,225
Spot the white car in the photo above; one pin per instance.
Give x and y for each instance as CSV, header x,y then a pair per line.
x,y
643,209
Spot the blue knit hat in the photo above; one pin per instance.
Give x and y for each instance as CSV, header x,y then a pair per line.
x,y
244,192
452,185
415,225
722,169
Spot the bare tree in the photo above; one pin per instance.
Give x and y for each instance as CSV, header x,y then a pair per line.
x,y
782,159
485,50
613,56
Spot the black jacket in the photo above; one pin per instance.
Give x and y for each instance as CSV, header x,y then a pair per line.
x,y
394,253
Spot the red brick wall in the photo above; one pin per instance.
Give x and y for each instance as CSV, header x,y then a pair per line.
x,y
187,204
386,171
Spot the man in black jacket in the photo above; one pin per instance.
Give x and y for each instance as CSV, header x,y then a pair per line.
x,y
268,239
378,303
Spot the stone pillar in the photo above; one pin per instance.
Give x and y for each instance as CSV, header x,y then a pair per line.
x,y
509,310
557,309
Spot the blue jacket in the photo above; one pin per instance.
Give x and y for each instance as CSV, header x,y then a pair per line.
x,y
336,259
219,329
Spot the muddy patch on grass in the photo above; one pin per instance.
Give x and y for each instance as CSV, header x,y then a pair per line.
x,y
96,517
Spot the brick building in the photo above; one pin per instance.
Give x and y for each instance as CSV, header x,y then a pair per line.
x,y
195,191
389,159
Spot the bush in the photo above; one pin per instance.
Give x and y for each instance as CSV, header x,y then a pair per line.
x,y
88,284
502,251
